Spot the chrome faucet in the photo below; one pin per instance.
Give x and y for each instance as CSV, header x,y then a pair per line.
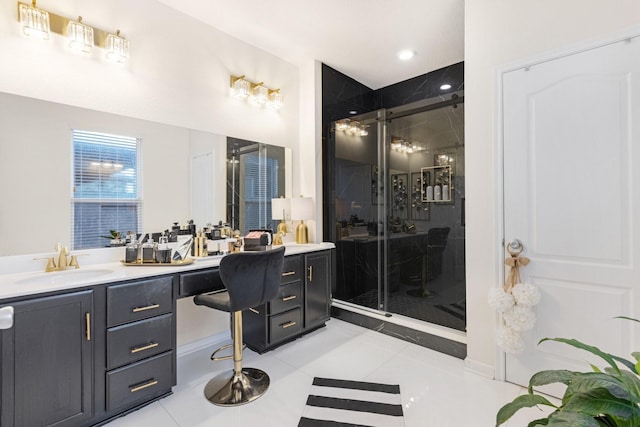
x,y
64,262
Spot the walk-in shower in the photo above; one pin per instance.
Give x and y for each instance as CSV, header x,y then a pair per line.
x,y
399,211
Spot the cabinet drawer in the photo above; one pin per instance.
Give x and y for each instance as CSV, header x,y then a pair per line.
x,y
285,325
139,300
200,282
135,341
140,381
289,296
292,269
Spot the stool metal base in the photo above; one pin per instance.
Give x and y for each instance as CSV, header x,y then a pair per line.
x,y
231,389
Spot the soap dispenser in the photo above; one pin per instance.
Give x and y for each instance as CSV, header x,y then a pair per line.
x,y
148,251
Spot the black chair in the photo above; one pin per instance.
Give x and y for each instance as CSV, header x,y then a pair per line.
x,y
250,279
431,249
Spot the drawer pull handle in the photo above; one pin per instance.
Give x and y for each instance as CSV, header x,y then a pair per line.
x,y
289,298
253,310
149,307
288,273
143,348
143,386
288,324
311,273
87,320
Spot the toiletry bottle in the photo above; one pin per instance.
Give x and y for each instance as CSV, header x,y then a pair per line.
x,y
445,192
148,251
163,252
132,252
437,192
429,193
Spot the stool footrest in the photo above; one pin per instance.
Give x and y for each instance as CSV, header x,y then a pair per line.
x,y
224,347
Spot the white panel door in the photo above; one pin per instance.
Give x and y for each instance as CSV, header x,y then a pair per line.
x,y
571,195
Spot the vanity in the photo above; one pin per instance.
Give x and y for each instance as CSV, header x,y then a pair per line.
x,y
92,344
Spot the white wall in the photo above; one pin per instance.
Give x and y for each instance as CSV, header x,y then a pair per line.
x,y
498,32
178,74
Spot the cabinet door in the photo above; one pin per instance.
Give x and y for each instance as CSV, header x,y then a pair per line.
x,y
316,297
47,362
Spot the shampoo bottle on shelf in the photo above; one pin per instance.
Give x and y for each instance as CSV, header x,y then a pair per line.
x,y
437,192
429,193
445,192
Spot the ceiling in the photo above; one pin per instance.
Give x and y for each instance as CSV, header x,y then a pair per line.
x,y
360,38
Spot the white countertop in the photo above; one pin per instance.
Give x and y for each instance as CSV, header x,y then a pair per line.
x,y
24,276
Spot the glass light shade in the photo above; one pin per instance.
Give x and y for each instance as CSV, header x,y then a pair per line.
x,y
362,131
80,36
276,100
342,125
302,208
241,88
260,94
117,47
35,22
280,208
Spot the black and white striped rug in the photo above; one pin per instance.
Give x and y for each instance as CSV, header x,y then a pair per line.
x,y
342,403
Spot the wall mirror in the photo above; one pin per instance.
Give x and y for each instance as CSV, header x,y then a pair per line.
x,y
36,172
256,173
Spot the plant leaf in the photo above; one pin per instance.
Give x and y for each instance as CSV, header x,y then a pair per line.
x,y
627,318
600,401
572,419
625,362
591,381
591,349
550,377
522,401
636,355
540,422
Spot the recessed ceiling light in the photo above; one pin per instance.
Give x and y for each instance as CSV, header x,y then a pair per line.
x,y
352,112
406,54
445,86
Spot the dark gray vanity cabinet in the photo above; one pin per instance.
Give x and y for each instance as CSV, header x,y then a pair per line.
x,y
317,288
47,362
140,349
301,305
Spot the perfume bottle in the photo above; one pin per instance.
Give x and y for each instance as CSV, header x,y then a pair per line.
x,y
148,251
132,252
163,251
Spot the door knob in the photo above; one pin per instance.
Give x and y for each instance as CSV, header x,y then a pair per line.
x,y
515,246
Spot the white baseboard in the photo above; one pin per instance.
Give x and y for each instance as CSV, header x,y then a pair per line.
x,y
212,342
479,368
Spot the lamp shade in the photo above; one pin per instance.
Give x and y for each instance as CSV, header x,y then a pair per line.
x,y
280,208
302,208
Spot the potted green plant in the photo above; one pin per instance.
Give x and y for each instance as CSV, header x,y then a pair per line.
x,y
600,398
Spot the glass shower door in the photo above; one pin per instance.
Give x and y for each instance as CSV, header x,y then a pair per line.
x,y
399,211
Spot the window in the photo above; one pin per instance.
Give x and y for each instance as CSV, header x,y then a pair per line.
x,y
106,188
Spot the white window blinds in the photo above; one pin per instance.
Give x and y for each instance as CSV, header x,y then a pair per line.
x,y
106,188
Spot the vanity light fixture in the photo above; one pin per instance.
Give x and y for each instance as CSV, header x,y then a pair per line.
x,y
240,88
276,100
353,127
117,47
404,146
80,36
35,21
256,93
259,93
40,23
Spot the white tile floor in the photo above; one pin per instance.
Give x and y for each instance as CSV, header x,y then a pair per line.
x,y
436,390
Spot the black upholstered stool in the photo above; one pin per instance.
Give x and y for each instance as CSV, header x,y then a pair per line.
x,y
250,279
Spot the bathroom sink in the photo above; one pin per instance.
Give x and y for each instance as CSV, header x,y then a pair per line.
x,y
64,277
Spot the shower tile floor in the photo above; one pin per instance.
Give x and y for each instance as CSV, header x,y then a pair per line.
x,y
445,306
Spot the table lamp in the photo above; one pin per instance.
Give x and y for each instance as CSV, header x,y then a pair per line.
x,y
302,208
279,209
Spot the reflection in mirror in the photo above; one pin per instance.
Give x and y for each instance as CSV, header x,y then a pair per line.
x,y
255,175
